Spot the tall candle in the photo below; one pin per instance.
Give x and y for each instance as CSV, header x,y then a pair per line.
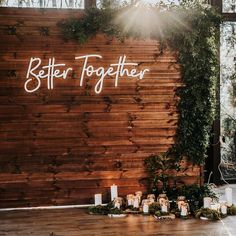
x,y
207,202
114,192
98,199
229,196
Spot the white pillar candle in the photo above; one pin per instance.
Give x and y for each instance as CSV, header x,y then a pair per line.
x,y
136,202
98,199
229,196
114,192
145,208
207,202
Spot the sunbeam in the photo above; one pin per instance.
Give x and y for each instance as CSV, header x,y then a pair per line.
x,y
144,19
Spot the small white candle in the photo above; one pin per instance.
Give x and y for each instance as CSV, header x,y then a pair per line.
x,y
207,202
229,196
114,192
180,204
98,199
136,202
164,208
184,211
130,200
223,209
145,208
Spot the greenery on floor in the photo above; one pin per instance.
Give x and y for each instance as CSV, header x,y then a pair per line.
x,y
231,210
208,214
155,210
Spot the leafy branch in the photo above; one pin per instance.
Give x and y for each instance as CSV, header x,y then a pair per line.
x,y
192,30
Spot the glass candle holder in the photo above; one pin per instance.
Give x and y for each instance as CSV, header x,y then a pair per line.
x,y
180,201
145,206
130,199
118,202
223,208
151,197
139,195
184,209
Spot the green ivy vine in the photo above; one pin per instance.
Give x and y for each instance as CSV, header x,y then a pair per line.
x,y
195,36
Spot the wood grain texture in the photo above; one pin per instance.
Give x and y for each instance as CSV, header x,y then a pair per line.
x,y
64,145
74,222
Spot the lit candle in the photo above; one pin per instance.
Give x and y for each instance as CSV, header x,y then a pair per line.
x,y
136,202
223,208
207,202
117,204
151,198
229,196
164,202
114,192
215,206
164,208
180,201
146,207
139,195
130,199
98,199
184,211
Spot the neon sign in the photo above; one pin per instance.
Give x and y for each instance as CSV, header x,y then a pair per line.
x,y
36,72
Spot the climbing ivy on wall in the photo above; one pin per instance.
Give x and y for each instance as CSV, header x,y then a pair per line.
x,y
192,30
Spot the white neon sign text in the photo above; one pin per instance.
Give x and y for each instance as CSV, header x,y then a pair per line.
x,y
36,72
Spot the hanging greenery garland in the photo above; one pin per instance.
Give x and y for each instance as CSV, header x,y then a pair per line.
x,y
192,30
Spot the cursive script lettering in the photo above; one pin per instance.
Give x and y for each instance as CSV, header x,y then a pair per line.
x,y
118,70
36,72
48,72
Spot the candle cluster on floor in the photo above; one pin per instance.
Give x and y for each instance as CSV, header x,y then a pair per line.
x,y
160,206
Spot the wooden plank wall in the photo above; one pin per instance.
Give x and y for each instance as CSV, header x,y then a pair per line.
x,y
64,145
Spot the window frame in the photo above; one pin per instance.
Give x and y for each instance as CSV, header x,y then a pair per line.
x,y
214,154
